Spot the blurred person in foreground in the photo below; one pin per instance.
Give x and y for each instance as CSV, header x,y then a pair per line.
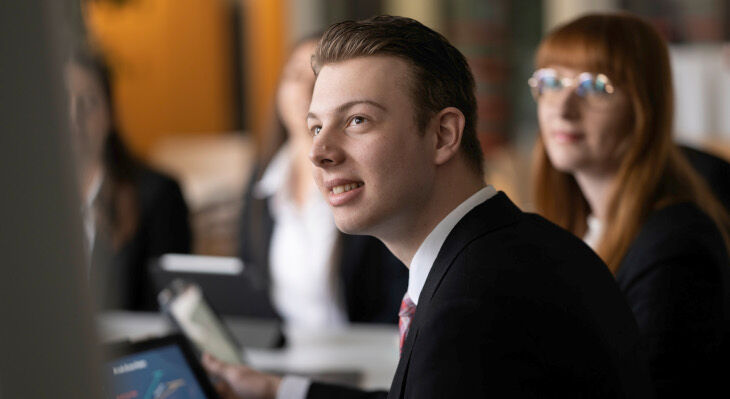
x,y
607,170
315,276
499,302
131,213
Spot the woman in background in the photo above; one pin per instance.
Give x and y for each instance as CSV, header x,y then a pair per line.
x,y
607,170
314,276
131,213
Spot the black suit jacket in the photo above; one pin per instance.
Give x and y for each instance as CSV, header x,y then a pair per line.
x,y
715,171
371,279
123,277
514,306
676,278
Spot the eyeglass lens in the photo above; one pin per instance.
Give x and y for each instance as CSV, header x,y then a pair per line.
x,y
546,85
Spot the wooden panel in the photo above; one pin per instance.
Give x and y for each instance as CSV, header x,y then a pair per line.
x,y
266,35
173,66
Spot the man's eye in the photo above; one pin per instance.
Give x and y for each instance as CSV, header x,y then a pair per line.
x,y
316,130
357,120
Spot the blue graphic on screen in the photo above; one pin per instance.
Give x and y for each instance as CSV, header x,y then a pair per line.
x,y
160,373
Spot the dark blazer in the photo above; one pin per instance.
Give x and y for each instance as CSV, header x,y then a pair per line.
x,y
677,280
123,276
372,280
514,306
715,171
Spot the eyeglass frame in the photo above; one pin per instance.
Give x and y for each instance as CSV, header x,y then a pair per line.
x,y
567,82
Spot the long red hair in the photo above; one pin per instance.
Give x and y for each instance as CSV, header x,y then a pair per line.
x,y
653,173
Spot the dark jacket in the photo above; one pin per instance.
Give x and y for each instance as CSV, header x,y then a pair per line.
x,y
123,277
516,307
715,171
675,276
372,280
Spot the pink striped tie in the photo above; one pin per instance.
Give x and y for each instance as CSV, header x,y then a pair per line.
x,y
407,310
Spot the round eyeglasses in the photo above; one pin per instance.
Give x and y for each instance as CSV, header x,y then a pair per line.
x,y
546,84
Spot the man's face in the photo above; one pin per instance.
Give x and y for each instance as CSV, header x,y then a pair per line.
x,y
372,164
89,113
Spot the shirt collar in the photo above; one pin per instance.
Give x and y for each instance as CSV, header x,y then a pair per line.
x,y
94,190
87,209
276,174
594,231
428,251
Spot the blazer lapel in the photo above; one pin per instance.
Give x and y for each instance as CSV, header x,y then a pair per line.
x,y
493,214
397,388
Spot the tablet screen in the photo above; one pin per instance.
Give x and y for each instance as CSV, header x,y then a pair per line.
x,y
161,372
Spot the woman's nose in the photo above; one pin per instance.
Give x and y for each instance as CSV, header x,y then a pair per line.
x,y
568,104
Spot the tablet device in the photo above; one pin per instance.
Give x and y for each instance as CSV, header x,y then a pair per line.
x,y
157,368
183,302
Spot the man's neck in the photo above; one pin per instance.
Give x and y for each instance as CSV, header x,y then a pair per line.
x,y
404,242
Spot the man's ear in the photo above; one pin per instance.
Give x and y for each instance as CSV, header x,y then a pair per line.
x,y
450,123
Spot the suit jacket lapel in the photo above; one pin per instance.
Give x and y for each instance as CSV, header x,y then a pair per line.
x,y
397,388
493,214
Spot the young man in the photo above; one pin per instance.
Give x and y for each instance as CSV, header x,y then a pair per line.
x,y
499,302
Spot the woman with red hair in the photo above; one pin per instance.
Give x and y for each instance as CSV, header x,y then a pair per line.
x,y
606,169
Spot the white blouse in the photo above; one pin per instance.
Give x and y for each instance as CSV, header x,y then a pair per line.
x,y
304,287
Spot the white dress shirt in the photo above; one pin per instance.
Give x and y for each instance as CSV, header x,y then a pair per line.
x,y
304,287
88,213
594,232
428,251
296,387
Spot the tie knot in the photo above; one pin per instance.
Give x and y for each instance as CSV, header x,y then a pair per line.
x,y
407,307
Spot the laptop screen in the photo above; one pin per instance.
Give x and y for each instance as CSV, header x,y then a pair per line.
x,y
162,371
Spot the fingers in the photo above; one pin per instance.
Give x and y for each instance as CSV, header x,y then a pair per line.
x,y
224,390
218,371
213,365
233,374
237,381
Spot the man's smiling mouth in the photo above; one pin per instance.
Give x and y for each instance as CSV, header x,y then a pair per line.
x,y
343,188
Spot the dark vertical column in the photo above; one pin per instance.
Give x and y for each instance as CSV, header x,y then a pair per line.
x,y
46,335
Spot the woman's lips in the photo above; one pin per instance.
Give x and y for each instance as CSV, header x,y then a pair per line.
x,y
566,136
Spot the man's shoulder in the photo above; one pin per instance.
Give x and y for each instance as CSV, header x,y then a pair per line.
x,y
532,241
532,259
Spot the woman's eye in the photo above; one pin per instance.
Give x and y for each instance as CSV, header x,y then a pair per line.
x,y
551,83
316,130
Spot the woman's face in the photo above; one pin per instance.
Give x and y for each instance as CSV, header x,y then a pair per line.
x,y
295,89
585,133
89,113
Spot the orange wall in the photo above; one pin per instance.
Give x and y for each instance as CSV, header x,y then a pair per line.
x,y
266,34
173,66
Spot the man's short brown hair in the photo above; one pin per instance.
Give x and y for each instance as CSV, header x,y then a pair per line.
x,y
441,76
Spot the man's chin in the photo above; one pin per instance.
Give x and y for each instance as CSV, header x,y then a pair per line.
x,y
350,226
348,229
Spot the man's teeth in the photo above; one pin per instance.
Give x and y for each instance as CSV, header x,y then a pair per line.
x,y
345,188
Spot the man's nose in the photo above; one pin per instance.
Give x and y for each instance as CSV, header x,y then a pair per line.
x,y
326,150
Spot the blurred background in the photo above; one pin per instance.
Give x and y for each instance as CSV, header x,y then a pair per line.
x,y
195,79
193,94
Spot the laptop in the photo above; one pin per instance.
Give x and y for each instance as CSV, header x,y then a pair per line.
x,y
229,288
157,368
